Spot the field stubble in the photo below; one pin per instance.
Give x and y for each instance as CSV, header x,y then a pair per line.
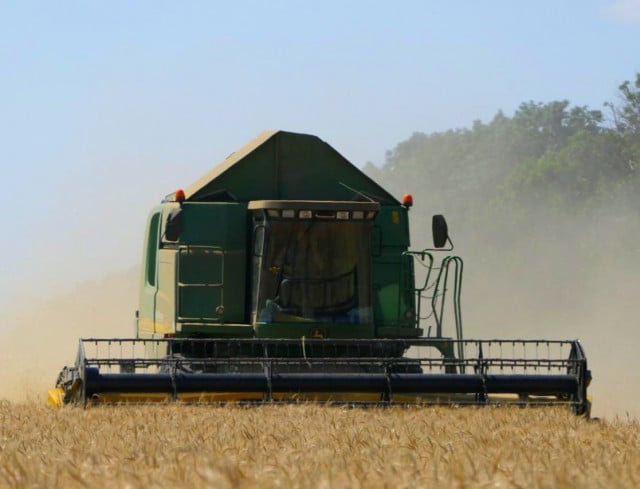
x,y
312,446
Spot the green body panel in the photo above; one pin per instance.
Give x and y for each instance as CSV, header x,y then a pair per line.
x,y
211,264
200,285
199,279
393,275
165,299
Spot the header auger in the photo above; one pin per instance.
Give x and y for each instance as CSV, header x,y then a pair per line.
x,y
285,275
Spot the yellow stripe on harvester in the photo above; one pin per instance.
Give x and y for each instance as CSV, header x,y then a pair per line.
x,y
55,399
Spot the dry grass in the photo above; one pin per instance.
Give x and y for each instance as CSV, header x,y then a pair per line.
x,y
312,446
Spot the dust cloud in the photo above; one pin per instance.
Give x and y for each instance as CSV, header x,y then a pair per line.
x,y
581,283
40,341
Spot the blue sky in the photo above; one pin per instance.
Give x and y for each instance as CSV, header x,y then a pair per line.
x,y
107,106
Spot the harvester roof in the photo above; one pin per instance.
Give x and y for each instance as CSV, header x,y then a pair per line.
x,y
280,165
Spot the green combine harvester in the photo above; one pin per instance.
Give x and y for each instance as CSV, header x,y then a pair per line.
x,y
285,275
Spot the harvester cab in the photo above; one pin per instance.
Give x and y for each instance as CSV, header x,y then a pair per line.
x,y
311,266
285,275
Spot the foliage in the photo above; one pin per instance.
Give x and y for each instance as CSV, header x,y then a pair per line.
x,y
626,115
548,160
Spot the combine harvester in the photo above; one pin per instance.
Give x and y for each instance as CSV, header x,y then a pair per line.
x,y
285,275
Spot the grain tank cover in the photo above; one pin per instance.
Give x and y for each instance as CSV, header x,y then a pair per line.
x,y
280,165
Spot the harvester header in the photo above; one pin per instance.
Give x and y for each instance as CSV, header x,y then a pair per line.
x,y
285,274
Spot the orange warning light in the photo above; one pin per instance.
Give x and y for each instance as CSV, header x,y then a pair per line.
x,y
407,200
180,195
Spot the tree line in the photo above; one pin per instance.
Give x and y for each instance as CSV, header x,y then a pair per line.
x,y
551,168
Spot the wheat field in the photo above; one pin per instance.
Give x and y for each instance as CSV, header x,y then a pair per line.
x,y
309,446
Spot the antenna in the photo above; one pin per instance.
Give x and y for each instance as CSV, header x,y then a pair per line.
x,y
357,191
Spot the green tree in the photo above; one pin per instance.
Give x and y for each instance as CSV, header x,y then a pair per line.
x,y
626,116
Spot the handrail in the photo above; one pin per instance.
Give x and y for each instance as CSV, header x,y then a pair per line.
x,y
184,249
418,291
440,288
441,282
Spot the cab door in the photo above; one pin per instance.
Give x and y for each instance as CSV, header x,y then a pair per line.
x,y
149,280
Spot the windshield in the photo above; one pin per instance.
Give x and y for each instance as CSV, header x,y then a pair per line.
x,y
314,271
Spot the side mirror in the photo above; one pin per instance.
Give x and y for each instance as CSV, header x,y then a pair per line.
x,y
175,224
440,231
